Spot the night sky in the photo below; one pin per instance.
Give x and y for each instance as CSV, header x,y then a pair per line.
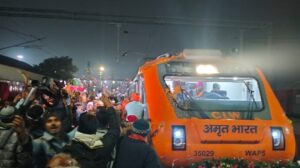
x,y
87,31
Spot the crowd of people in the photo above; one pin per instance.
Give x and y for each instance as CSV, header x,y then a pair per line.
x,y
51,127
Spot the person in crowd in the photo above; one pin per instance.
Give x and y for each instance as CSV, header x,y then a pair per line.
x,y
109,119
98,94
73,108
80,109
83,99
76,94
106,114
125,129
34,116
134,109
54,101
134,150
52,141
62,160
116,103
15,143
99,103
19,99
65,97
91,108
124,102
91,98
91,148
86,143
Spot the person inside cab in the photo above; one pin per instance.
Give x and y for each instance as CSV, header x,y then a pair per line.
x,y
201,92
217,89
180,93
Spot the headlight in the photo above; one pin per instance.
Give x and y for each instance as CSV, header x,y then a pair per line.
x,y
178,137
277,138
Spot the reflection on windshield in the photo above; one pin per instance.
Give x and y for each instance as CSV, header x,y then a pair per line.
x,y
215,93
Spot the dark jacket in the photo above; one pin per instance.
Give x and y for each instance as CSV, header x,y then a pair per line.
x,y
96,156
136,154
14,154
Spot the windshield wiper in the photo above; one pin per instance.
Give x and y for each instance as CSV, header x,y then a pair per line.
x,y
185,103
175,100
251,102
189,102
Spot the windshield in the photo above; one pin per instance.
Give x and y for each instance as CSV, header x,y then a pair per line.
x,y
239,94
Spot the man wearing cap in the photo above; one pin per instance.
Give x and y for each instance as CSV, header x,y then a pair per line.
x,y
15,144
90,147
134,152
52,141
86,143
52,98
135,108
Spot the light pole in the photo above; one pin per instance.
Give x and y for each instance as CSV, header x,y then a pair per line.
x,y
101,71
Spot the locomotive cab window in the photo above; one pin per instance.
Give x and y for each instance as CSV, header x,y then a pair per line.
x,y
210,94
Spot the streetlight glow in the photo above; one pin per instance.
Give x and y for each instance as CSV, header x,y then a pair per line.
x,y
101,69
20,56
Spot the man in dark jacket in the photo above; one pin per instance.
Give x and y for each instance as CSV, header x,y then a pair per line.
x,y
91,148
15,144
134,152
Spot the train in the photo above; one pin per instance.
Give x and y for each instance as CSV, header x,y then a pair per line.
x,y
202,105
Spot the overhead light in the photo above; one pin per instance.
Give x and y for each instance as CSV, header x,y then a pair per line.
x,y
101,68
206,69
202,54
